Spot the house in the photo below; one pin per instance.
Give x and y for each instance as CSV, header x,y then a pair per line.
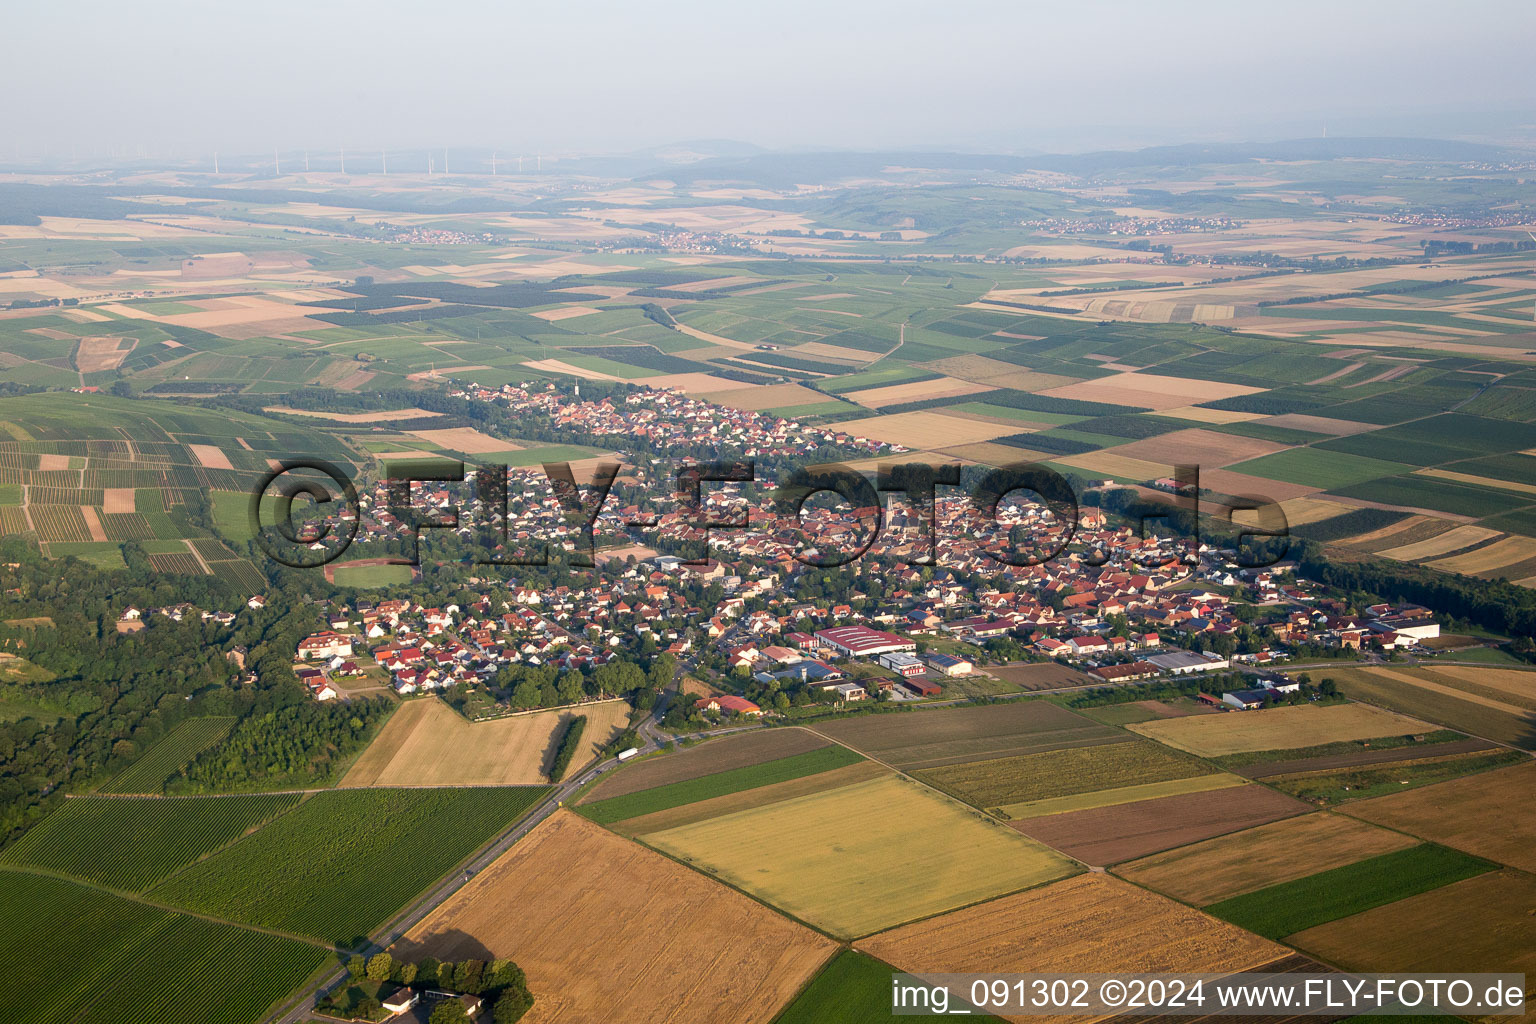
x,y
949,665
325,644
728,704
321,689
401,1000
848,691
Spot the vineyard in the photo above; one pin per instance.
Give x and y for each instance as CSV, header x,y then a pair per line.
x,y
134,964
129,844
184,563
164,759
343,862
60,523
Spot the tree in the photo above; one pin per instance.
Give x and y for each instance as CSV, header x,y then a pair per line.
x,y
379,967
356,967
509,1009
449,1011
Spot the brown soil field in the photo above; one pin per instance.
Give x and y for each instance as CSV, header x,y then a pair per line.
x,y
93,523
1122,466
600,923
988,454
1257,857
52,462
383,416
1279,728
1087,924
916,391
1040,675
924,429
95,354
1488,814
762,796
210,456
427,743
556,366
717,755
1517,684
1150,390
1460,537
1227,481
466,439
766,396
1318,424
1269,769
932,739
1479,924
1203,448
1110,835
117,500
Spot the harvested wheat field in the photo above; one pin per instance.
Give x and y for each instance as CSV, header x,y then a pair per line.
x,y
1301,511
564,313
1408,530
717,755
1488,814
1196,414
1516,684
1258,857
1122,466
1111,835
600,923
916,391
765,396
812,856
696,383
382,416
1492,559
996,373
556,366
1513,697
1088,924
924,429
210,456
427,743
465,439
1150,391
1479,924
97,354
1451,540
1279,728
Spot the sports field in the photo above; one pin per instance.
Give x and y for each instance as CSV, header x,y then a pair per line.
x,y
804,855
1278,728
427,743
602,923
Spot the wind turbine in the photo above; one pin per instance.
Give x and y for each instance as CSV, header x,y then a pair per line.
x,y
343,159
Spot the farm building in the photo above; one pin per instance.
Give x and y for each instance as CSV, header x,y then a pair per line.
x,y
949,665
922,687
1183,663
900,663
729,704
1126,673
1247,700
863,642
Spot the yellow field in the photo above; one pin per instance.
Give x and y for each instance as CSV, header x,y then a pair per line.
x,y
764,396
864,857
211,456
924,429
1498,555
1278,728
996,373
1386,533
1122,466
384,416
1425,679
465,439
599,922
1267,855
1089,924
1480,481
1460,537
1121,795
1514,682
1199,415
1300,511
1150,390
915,391
427,743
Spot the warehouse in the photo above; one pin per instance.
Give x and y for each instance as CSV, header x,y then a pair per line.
x,y
863,642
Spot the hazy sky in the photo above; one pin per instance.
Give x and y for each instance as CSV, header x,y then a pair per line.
x,y
604,77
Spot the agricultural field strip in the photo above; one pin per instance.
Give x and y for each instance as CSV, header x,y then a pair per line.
x,y
1279,728
1302,903
724,783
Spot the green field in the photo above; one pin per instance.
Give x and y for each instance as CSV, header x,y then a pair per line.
x,y
1337,787
130,844
170,755
341,863
105,960
736,780
1291,907
372,575
1315,467
854,988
